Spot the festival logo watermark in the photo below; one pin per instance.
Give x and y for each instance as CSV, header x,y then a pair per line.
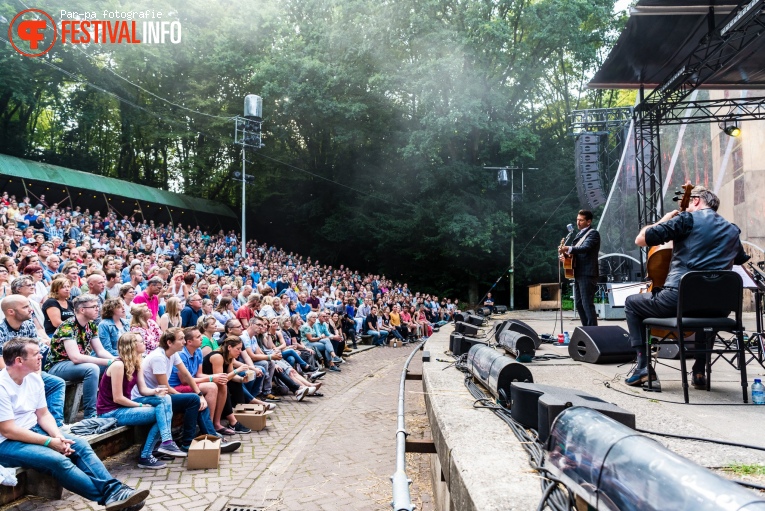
x,y
34,32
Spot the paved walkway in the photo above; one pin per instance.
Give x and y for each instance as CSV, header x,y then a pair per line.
x,y
334,452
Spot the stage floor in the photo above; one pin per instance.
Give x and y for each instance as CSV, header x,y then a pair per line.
x,y
719,414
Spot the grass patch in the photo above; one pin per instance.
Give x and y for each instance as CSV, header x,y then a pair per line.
x,y
746,470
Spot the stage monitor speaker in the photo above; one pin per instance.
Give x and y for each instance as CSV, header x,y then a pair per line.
x,y
520,327
463,343
537,406
483,311
519,345
500,309
463,315
600,345
452,339
670,351
475,319
466,328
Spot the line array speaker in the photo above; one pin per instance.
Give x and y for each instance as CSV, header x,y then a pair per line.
x,y
589,183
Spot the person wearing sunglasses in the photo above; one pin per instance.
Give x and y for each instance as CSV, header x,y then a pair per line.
x,y
76,352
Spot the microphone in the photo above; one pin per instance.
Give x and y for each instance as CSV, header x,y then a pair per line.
x,y
570,227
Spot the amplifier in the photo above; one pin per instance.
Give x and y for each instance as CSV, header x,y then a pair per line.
x,y
537,406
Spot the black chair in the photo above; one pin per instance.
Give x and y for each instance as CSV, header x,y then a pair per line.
x,y
705,302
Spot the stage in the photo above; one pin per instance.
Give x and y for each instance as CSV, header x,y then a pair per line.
x,y
483,465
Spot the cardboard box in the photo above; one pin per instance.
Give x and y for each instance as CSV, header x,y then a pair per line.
x,y
204,452
252,416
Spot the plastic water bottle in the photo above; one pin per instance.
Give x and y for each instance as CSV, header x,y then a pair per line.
x,y
758,392
566,338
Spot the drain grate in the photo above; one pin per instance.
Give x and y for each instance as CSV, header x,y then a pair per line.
x,y
239,508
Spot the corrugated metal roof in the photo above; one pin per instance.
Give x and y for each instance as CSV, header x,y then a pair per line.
x,y
28,169
661,34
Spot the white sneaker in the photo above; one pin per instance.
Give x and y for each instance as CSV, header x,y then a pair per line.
x,y
300,393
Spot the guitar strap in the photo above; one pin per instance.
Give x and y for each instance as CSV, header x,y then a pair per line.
x,y
584,237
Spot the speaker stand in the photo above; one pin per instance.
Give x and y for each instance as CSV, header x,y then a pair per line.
x,y
655,386
560,302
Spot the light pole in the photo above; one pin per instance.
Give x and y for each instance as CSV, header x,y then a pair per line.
x,y
247,134
502,180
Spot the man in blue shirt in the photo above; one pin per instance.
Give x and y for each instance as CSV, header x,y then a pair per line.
x,y
303,307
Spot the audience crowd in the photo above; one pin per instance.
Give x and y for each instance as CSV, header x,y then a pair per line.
x,y
158,319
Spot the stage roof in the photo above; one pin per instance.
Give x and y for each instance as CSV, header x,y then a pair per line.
x,y
660,34
29,169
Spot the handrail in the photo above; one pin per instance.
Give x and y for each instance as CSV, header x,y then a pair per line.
x,y
402,500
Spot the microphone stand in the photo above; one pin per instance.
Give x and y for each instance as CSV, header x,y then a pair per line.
x,y
560,290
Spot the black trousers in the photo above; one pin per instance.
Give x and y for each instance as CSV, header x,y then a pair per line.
x,y
661,304
584,299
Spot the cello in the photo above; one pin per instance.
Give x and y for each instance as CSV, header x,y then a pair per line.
x,y
659,257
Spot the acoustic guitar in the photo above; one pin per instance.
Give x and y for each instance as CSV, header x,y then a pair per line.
x,y
568,261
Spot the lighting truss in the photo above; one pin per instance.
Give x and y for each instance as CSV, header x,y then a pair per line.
x,y
715,52
715,110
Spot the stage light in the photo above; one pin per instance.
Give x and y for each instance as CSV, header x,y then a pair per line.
x,y
502,177
731,128
611,466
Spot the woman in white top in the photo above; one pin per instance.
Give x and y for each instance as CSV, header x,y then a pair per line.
x,y
172,315
181,286
267,310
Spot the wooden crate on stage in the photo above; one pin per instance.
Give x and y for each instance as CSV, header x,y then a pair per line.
x,y
549,292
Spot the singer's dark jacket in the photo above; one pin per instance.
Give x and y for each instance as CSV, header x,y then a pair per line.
x,y
586,254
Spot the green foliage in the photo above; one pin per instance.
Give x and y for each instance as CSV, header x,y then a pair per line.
x,y
378,120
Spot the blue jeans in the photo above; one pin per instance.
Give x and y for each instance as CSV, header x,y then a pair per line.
x,y
378,337
55,392
160,416
189,405
323,347
293,357
252,388
81,472
87,373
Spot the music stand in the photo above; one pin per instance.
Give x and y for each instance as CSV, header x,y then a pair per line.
x,y
754,280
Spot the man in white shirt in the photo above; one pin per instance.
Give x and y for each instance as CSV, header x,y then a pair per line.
x,y
30,438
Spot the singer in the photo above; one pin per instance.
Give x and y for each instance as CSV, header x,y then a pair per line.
x,y
585,248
